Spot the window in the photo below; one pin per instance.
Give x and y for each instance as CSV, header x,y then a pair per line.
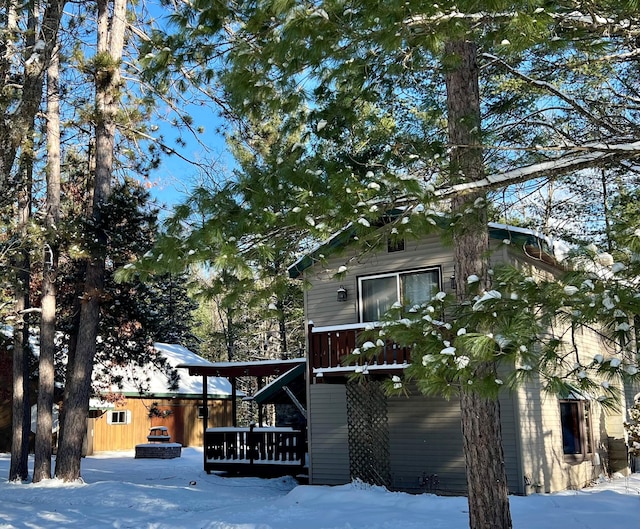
x,y
378,293
577,440
119,417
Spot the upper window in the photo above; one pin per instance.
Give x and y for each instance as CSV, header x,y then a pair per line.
x,y
575,418
378,293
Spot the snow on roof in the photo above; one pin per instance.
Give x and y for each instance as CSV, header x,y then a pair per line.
x,y
518,229
177,355
155,381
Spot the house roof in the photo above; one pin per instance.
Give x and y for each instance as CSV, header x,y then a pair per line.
x,y
152,381
544,247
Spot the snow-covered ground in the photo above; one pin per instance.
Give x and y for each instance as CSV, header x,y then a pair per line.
x,y
121,492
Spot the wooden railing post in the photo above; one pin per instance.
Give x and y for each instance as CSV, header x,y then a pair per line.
x,y
251,443
310,348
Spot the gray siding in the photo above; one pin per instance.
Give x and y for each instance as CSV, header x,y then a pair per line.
x,y
328,441
511,443
426,439
322,306
424,436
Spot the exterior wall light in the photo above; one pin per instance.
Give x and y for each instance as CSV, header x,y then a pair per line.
x,y
453,282
342,294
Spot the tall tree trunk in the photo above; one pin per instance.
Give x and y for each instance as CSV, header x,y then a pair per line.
x,y
17,115
16,132
482,437
282,329
42,464
108,85
230,336
21,409
21,427
78,275
7,61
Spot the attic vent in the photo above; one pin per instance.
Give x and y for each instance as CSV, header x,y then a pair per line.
x,y
395,245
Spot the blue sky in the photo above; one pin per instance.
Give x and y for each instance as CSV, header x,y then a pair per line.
x,y
176,176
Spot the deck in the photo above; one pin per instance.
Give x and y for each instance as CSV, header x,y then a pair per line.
x,y
254,450
329,345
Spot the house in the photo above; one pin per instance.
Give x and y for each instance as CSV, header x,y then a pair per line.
x,y
357,431
122,414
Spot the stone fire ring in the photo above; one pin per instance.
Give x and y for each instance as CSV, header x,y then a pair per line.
x,y
158,450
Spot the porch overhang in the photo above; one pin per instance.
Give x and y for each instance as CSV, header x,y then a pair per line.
x,y
258,368
235,370
267,393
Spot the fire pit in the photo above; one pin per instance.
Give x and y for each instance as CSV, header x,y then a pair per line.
x,y
159,445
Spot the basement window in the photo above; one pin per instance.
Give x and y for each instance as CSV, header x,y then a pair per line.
x,y
577,435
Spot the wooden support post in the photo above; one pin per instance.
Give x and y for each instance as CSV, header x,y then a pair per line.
x,y
234,404
260,417
205,418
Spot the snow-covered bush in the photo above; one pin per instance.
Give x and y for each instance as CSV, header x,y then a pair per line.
x,y
633,428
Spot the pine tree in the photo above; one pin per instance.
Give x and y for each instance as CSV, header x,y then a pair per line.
x,y
173,305
46,364
488,506
110,29
364,86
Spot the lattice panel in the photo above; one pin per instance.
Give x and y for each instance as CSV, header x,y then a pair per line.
x,y
369,458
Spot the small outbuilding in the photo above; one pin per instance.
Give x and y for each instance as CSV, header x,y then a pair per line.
x,y
124,414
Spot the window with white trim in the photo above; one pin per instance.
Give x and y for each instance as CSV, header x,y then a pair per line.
x,y
577,435
379,292
119,417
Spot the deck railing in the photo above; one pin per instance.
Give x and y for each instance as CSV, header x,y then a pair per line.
x,y
246,449
328,346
